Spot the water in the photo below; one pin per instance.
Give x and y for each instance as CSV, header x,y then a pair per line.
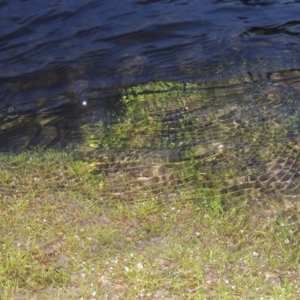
x,y
62,63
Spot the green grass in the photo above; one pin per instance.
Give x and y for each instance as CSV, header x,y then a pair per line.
x,y
60,238
106,229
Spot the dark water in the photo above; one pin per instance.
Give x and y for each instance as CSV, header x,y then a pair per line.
x,y
62,63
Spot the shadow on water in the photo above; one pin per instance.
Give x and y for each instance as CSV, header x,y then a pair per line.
x,y
54,121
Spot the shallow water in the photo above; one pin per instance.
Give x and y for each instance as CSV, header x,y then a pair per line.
x,y
62,63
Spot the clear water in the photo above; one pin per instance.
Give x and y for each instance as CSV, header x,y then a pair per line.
x,y
62,63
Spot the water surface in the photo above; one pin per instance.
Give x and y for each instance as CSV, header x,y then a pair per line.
x,y
63,63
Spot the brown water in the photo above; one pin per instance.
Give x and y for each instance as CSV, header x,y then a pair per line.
x,y
62,63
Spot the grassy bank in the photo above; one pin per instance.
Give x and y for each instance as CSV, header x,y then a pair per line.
x,y
61,239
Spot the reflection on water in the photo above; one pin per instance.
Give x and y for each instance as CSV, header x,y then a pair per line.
x,y
62,63
55,121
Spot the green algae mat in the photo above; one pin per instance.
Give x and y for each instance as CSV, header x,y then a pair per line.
x,y
235,137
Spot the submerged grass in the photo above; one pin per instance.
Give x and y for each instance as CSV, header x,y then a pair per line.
x,y
154,222
61,239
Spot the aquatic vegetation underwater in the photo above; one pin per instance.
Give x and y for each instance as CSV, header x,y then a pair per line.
x,y
191,194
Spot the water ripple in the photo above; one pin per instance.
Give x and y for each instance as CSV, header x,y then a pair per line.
x,y
47,46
